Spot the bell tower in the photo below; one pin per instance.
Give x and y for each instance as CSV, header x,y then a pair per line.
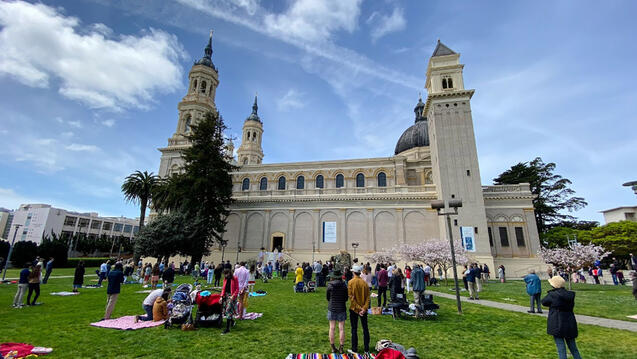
x,y
250,152
203,80
454,156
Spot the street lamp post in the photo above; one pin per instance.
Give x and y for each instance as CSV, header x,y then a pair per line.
x,y
355,245
313,249
6,263
452,204
223,249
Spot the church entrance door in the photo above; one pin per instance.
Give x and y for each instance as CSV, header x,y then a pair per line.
x,y
277,242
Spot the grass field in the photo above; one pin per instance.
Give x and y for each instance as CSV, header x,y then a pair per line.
x,y
291,323
606,301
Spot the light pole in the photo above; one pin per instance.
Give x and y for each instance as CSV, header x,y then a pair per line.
x,y
313,248
6,263
355,245
452,204
223,249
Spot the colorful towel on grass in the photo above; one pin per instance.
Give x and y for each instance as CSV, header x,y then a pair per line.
x,y
21,350
64,294
126,323
252,316
329,356
255,294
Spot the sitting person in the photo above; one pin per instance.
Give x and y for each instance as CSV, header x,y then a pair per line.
x,y
160,308
149,302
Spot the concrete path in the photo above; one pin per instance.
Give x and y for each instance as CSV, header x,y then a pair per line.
x,y
581,319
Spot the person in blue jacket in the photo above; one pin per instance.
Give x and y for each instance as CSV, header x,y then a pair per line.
x,y
534,289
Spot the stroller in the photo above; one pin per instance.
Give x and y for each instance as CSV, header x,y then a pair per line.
x,y
182,306
208,310
299,287
310,287
398,304
427,307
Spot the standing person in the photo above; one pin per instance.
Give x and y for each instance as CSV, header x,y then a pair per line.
x,y
217,272
229,293
211,273
485,272
154,279
285,267
348,274
390,270
49,269
633,262
595,275
23,284
102,273
168,277
478,272
227,265
465,271
147,271
471,274
78,276
358,292
149,302
367,277
298,274
501,274
428,273
307,273
252,279
383,280
418,280
243,278
34,284
325,271
561,323
396,291
408,278
613,273
336,310
534,290
195,272
115,279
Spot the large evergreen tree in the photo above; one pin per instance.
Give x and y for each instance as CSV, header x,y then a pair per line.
x,y
203,190
552,191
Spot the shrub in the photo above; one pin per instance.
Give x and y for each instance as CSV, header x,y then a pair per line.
x,y
23,251
88,261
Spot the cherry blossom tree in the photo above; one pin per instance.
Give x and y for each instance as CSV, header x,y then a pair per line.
x,y
384,256
435,252
572,258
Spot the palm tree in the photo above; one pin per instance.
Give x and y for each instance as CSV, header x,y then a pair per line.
x,y
139,188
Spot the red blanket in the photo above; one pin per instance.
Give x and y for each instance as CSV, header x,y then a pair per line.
x,y
23,349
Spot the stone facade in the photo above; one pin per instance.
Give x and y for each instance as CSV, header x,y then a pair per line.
x,y
378,203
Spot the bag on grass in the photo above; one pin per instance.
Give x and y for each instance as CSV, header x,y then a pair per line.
x,y
377,310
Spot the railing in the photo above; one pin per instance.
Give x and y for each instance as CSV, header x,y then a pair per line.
x,y
334,191
522,187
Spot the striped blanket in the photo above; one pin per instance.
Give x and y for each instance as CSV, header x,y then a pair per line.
x,y
329,356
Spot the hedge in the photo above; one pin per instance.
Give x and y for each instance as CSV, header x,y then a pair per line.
x,y
88,261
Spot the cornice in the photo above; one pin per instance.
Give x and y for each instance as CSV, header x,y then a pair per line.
x,y
446,94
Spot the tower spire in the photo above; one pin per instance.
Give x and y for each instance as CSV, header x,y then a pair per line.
x,y
206,60
255,107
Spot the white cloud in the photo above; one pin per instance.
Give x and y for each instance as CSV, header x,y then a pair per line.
x,y
291,100
315,21
39,44
108,123
76,147
383,24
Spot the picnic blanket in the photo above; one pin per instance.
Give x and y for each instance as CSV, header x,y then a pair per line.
x,y
252,316
386,311
21,350
126,323
330,356
255,294
64,294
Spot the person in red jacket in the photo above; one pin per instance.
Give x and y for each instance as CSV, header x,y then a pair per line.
x,y
229,293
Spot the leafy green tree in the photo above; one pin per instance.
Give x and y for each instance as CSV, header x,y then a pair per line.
x,y
167,235
4,248
23,251
83,244
53,246
203,190
138,188
552,191
617,237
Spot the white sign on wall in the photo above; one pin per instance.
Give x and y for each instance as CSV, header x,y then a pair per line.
x,y
329,232
468,239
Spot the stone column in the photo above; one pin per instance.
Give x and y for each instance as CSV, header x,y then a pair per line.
x,y
371,235
290,234
341,223
315,230
243,229
400,226
266,230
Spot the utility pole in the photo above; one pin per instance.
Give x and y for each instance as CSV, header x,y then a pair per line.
x,y
452,204
6,263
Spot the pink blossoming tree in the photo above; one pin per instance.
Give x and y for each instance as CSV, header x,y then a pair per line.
x,y
435,252
572,258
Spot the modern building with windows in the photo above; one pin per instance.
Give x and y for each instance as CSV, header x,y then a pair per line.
x,y
39,220
6,218
323,207
625,213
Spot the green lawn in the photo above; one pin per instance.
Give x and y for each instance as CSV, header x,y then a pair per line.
x,y
291,323
614,302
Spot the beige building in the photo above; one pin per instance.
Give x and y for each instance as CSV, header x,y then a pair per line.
x,y
626,213
319,208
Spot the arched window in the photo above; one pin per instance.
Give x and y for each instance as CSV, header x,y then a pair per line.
x,y
248,135
300,182
254,136
246,184
202,88
360,180
263,185
187,123
340,180
444,83
194,87
382,179
281,183
450,83
319,181
245,161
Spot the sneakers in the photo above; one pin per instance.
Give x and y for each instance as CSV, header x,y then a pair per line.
x,y
341,350
530,311
333,348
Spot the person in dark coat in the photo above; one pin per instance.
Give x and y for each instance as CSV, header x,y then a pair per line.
x,y
561,323
336,309
78,277
168,277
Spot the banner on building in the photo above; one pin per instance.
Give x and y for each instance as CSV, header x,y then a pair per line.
x,y
468,239
329,232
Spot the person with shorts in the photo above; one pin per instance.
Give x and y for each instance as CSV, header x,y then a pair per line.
x,y
336,309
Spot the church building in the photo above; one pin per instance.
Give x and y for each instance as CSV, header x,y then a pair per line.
x,y
318,208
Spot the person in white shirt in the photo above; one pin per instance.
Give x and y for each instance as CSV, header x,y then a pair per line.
x,y
243,277
427,271
390,270
148,303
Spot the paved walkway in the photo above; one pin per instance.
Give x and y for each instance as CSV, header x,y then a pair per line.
x,y
581,319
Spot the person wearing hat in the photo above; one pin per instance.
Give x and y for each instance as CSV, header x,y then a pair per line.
x,y
358,292
336,310
561,323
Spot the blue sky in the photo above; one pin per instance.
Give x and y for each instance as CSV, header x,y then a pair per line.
x,y
89,90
